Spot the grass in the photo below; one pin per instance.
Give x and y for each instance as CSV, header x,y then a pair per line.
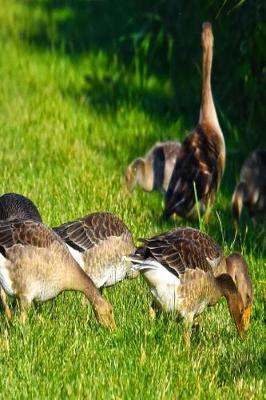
x,y
69,126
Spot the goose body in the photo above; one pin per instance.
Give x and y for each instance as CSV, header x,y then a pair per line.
x,y
99,242
200,165
15,206
35,265
187,271
251,190
153,172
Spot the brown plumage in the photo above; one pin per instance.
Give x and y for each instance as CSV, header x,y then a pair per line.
x,y
201,163
251,190
153,172
99,242
35,264
187,270
17,206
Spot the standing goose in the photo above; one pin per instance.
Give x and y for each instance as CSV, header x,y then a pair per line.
x,y
36,265
251,191
201,163
17,206
99,243
186,271
153,172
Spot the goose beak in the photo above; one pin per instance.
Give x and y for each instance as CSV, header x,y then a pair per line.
x,y
246,318
244,323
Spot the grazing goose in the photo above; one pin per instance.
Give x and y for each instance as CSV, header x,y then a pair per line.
x,y
251,191
36,265
200,165
99,243
16,206
153,172
186,271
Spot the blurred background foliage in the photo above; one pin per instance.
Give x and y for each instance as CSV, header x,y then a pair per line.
x,y
138,43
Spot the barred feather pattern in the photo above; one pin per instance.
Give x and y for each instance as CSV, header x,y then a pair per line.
x,y
181,249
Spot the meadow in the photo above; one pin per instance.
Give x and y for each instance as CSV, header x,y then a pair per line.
x,y
69,125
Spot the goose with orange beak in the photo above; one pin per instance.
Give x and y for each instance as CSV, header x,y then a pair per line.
x,y
187,270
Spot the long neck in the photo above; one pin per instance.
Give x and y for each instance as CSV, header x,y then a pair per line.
x,y
207,111
80,281
227,288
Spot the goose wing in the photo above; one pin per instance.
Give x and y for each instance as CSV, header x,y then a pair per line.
x,y
92,230
181,249
25,232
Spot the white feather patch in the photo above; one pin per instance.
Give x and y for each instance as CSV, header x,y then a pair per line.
x,y
163,283
77,255
4,276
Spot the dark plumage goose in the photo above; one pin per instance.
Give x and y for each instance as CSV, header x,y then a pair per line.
x,y
251,190
201,162
17,206
99,243
36,265
153,172
186,271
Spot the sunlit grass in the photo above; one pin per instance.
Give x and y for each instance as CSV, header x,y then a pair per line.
x,y
67,148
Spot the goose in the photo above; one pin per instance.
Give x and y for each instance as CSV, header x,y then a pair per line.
x,y
17,206
200,165
153,172
35,264
251,190
186,271
99,242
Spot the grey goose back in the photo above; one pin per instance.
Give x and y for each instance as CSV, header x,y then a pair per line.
x,y
17,206
154,170
35,264
99,242
186,271
251,190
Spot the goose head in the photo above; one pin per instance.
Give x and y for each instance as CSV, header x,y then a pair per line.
x,y
237,202
237,268
207,36
133,172
105,316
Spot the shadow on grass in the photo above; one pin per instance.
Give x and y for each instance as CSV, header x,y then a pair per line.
x,y
136,35
162,38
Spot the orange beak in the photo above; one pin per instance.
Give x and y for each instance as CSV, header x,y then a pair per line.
x,y
246,318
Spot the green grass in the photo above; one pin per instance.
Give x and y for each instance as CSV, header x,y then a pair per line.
x,y
65,142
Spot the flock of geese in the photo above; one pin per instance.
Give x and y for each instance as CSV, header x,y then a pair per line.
x,y
185,269
184,172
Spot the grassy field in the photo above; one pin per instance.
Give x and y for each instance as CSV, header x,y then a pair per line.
x,y
69,126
